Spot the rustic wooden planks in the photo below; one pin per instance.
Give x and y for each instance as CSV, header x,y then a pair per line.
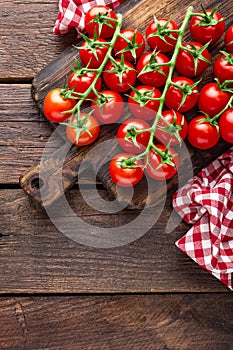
x,y
35,42
137,322
36,258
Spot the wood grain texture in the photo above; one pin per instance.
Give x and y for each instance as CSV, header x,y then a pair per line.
x,y
36,257
171,322
28,26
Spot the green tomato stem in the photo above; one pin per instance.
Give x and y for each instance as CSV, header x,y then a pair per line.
x,y
169,77
229,104
99,70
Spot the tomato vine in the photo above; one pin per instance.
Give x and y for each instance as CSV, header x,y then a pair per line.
x,y
115,64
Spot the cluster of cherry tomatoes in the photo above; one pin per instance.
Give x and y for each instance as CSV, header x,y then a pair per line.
x,y
143,75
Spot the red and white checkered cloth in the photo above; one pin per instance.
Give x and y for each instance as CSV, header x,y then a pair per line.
x,y
72,13
207,202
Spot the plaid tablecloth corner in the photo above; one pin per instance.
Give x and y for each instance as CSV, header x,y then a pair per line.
x,y
206,201
72,13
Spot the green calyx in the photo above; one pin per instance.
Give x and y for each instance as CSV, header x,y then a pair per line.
x,y
228,57
129,163
119,68
101,101
207,19
165,156
79,125
153,65
79,70
173,128
186,90
92,44
224,86
132,46
163,32
197,54
132,134
103,19
142,97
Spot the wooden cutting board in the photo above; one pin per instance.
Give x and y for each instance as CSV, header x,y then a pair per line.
x,y
136,14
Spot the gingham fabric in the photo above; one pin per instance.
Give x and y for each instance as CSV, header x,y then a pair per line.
x,y
207,202
72,13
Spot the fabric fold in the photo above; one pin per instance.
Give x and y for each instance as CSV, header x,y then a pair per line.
x,y
206,201
71,13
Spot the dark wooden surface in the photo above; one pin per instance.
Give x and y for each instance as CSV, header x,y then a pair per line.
x,y
57,294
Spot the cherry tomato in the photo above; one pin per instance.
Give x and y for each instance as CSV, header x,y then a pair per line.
x,y
174,132
80,83
84,138
105,16
226,125
112,77
139,103
229,39
201,134
158,36
93,55
207,28
125,177
146,69
185,62
132,50
55,104
157,168
223,68
109,107
212,100
127,132
184,98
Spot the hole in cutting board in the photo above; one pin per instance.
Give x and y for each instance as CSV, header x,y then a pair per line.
x,y
37,183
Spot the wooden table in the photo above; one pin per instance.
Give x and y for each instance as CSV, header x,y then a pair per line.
x,y
57,294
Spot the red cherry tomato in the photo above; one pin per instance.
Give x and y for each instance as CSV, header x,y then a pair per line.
x,y
132,50
201,134
212,100
55,104
127,132
184,98
83,138
226,125
207,28
140,105
112,78
106,16
229,39
146,69
125,177
223,68
93,56
80,83
158,36
173,132
157,169
185,62
110,107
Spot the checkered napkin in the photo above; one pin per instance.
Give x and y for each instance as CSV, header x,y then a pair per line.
x,y
207,202
72,13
